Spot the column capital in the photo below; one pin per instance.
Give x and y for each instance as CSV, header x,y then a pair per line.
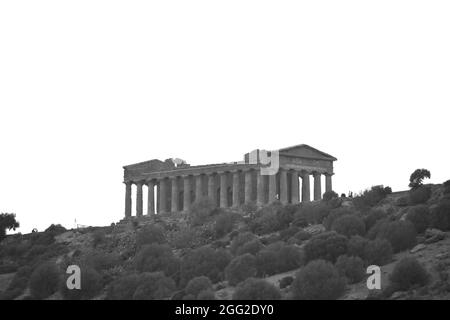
x,y
140,183
329,174
316,173
128,183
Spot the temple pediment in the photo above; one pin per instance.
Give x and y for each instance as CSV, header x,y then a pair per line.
x,y
305,151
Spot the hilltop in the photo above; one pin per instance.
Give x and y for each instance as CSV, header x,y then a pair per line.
x,y
275,252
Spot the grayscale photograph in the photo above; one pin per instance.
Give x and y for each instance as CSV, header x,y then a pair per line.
x,y
208,154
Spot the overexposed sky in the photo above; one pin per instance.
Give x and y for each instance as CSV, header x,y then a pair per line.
x,y
89,86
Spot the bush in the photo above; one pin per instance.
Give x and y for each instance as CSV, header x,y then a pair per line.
x,y
335,214
285,234
98,237
240,240
201,210
91,284
156,257
401,234
204,261
419,195
349,225
407,273
402,201
18,284
154,286
256,289
150,234
370,198
252,247
440,216
351,267
357,247
241,268
224,223
328,195
184,238
123,288
318,280
197,285
100,260
299,237
278,257
419,217
327,246
7,222
373,217
44,280
311,213
55,229
378,252
266,220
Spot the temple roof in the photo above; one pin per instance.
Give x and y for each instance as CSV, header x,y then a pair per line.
x,y
306,151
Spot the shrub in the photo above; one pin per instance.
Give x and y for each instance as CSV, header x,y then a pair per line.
x,y
184,238
401,234
299,237
197,285
328,195
318,280
55,229
351,267
154,286
156,257
419,195
357,246
440,216
335,214
201,210
123,288
224,223
278,257
241,268
18,284
327,246
256,289
100,260
419,217
206,295
312,213
288,233
407,273
91,284
266,220
349,225
44,280
150,234
378,252
286,282
370,198
7,222
373,217
240,240
446,185
42,238
204,261
252,247
402,201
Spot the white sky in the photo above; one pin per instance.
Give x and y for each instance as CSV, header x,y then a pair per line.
x,y
89,86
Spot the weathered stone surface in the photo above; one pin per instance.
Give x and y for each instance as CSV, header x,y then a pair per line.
x,y
418,248
434,235
315,229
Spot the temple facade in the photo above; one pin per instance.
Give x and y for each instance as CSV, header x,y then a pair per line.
x,y
260,178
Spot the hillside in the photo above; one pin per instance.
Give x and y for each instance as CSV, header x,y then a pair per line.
x,y
275,252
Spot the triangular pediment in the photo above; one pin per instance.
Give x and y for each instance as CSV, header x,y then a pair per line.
x,y
305,151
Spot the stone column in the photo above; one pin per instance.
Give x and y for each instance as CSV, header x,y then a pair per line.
x,y
139,202
294,187
305,187
283,186
248,186
162,195
212,194
328,183
260,188
174,201
223,190
151,198
128,199
198,187
317,188
236,189
186,193
272,187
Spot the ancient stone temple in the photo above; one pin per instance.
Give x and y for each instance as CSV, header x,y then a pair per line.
x,y
262,177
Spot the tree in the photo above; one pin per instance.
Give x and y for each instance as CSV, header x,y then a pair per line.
x,y
7,221
416,178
